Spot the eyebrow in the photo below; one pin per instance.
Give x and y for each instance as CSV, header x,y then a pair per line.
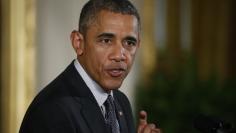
x,y
109,35
131,38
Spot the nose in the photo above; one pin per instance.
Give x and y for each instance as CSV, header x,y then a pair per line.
x,y
118,53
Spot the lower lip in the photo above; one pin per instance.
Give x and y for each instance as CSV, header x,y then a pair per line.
x,y
115,73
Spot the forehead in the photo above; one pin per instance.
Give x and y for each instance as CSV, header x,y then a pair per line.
x,y
110,20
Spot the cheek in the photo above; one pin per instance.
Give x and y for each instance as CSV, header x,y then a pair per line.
x,y
130,59
99,60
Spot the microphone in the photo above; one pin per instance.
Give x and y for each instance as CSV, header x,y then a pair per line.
x,y
208,124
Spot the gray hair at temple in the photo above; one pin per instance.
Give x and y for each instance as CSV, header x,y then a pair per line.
x,y
93,7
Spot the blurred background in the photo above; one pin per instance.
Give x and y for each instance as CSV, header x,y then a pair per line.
x,y
186,64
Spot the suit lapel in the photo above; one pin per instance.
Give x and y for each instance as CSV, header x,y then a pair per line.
x,y
90,109
93,116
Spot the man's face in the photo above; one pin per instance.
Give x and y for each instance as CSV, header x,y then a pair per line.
x,y
108,48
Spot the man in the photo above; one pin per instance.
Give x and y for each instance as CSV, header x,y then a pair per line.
x,y
85,97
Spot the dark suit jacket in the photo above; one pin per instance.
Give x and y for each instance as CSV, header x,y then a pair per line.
x,y
67,105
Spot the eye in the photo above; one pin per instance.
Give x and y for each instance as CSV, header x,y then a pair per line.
x,y
105,40
130,43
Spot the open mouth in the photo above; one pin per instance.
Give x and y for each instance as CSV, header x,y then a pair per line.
x,y
116,72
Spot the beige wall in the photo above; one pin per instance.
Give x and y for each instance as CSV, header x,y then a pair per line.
x,y
55,20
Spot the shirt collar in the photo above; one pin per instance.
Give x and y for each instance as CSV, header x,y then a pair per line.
x,y
99,94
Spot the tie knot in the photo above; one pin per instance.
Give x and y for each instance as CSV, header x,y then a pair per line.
x,y
109,103
110,98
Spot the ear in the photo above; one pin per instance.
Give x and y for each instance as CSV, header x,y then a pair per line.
x,y
77,41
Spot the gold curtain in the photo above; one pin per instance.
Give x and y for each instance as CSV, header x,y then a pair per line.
x,y
148,49
17,61
210,28
210,31
173,35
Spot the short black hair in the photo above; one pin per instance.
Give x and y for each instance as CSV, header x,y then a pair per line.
x,y
93,7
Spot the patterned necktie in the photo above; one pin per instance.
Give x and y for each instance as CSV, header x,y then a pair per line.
x,y
110,117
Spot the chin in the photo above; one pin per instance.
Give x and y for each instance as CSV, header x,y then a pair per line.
x,y
112,86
